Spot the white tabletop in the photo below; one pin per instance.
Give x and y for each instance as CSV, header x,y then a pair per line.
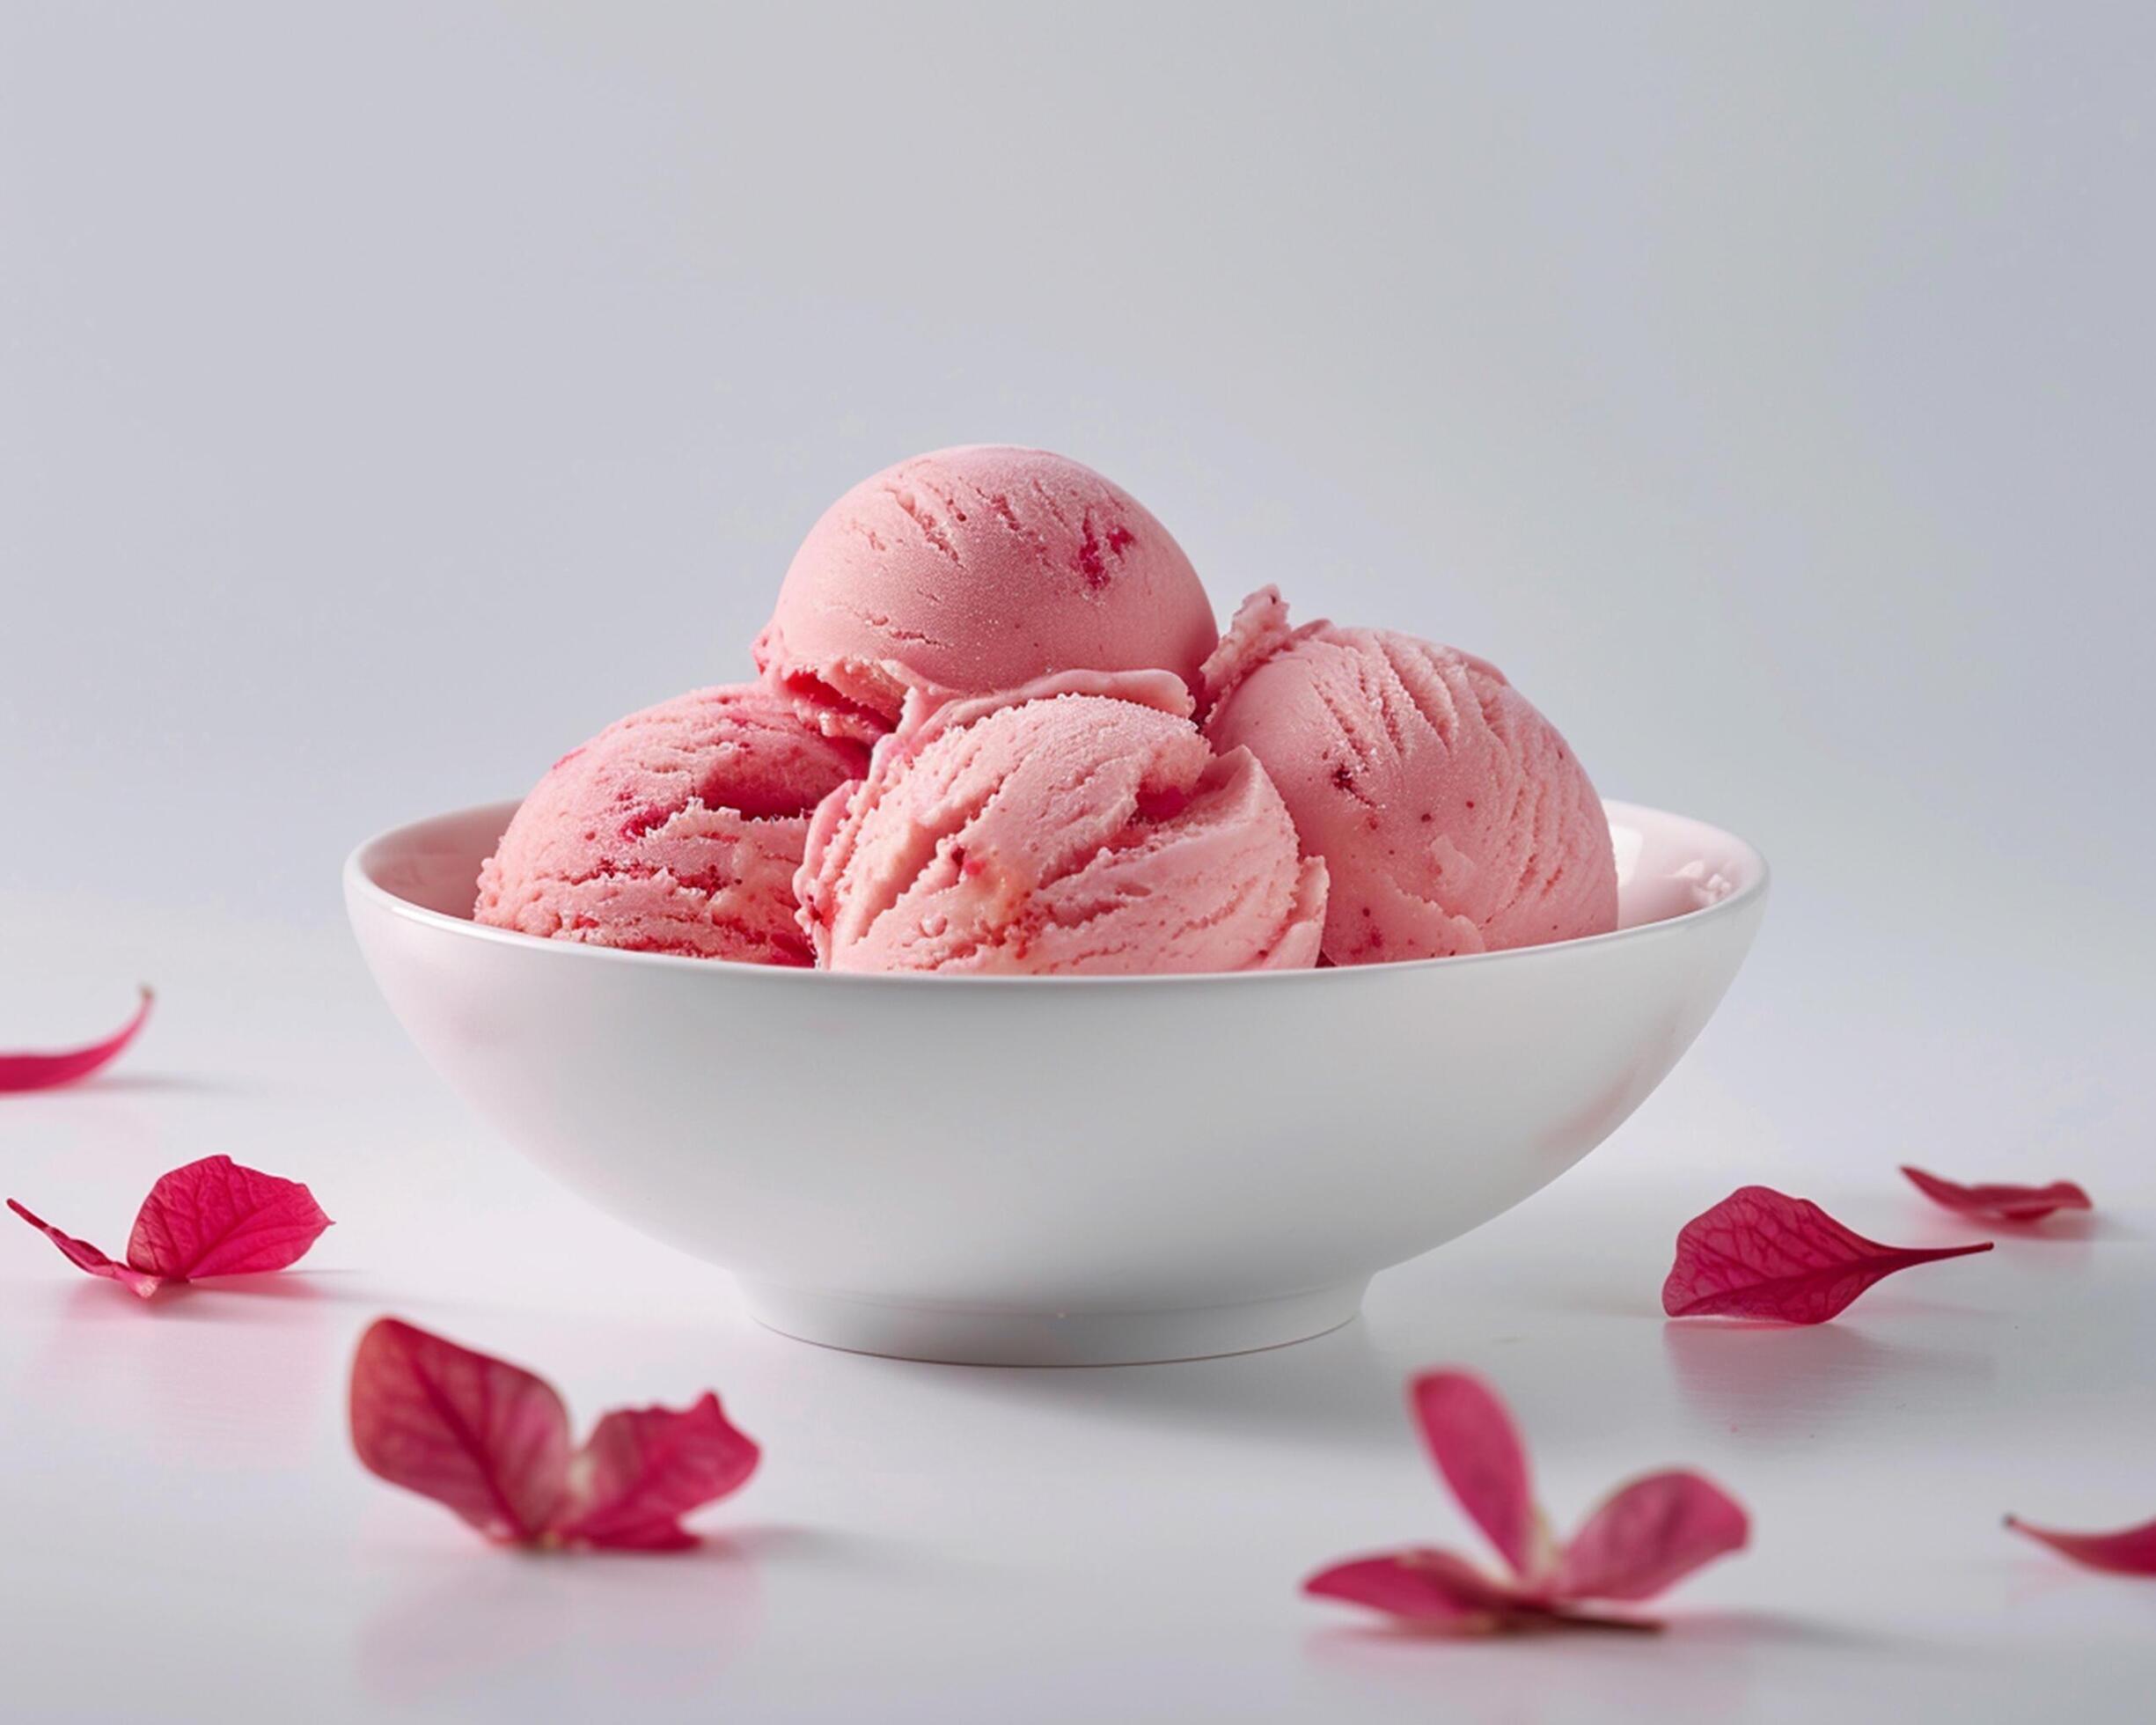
x,y
189,1536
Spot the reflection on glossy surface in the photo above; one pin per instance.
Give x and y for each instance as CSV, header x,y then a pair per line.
x,y
1783,1383
455,1626
111,1357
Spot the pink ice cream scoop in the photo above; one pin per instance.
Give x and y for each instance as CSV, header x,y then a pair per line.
x,y
1451,816
676,830
974,569
1081,824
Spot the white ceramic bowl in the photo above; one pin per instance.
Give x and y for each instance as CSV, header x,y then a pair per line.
x,y
1056,1171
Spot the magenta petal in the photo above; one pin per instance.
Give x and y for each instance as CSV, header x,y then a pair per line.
x,y
215,1218
643,1468
2002,1203
1421,1585
43,1072
85,1256
652,1536
1648,1534
1761,1253
1477,1448
489,1440
2131,1552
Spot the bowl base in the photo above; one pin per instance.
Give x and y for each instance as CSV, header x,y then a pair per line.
x,y
981,1336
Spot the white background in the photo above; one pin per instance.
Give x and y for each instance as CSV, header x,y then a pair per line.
x,y
391,395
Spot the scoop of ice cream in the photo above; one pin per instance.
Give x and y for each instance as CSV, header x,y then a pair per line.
x,y
676,830
1081,824
976,570
1451,816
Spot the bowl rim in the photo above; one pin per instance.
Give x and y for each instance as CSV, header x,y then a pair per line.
x,y
360,885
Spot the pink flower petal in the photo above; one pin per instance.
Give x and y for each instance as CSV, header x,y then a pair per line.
x,y
649,1537
1649,1534
491,1441
488,1439
2003,1203
2131,1552
643,1468
1477,1448
1566,1617
43,1072
85,1256
1421,1585
1436,1590
211,1218
1760,1253
215,1218
1645,1536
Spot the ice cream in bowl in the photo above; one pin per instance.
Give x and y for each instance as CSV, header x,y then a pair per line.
x,y
1019,970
